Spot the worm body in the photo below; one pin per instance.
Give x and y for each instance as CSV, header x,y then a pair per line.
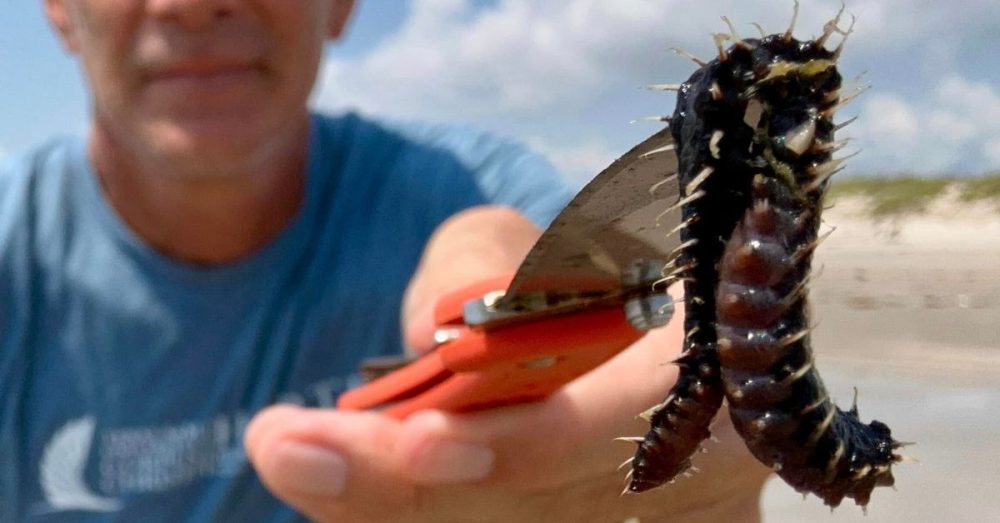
x,y
753,130
777,400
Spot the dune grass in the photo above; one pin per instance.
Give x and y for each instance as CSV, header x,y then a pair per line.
x,y
984,188
894,196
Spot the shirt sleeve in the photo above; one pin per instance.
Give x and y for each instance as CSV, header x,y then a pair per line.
x,y
505,171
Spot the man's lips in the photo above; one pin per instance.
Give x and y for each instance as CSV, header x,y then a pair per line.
x,y
204,70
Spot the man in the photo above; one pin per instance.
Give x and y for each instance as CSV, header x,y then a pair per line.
x,y
213,249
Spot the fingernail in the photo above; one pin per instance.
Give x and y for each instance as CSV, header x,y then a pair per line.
x,y
452,462
309,469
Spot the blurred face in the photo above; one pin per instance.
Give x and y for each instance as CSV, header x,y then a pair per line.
x,y
202,82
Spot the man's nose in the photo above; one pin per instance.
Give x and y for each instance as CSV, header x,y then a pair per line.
x,y
193,15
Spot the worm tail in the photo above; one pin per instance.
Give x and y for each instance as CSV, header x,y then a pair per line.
x,y
680,423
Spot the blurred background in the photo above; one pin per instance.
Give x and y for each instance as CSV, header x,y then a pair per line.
x,y
564,75
908,303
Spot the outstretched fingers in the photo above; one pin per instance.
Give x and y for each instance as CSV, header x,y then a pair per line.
x,y
359,466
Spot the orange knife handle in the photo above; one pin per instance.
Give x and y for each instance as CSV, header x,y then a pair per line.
x,y
429,370
516,364
415,377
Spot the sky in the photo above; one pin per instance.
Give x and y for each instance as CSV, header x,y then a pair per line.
x,y
565,76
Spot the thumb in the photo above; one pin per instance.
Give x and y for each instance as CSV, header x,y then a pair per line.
x,y
418,332
478,243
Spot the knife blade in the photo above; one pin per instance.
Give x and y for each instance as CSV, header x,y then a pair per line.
x,y
611,239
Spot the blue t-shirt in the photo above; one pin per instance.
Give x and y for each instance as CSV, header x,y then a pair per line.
x,y
127,379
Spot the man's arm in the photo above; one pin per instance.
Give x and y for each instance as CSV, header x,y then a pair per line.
x,y
553,460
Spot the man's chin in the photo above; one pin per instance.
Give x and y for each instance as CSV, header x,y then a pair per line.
x,y
209,146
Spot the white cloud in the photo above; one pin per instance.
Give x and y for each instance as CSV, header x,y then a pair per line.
x,y
949,126
522,56
892,119
954,130
886,24
974,102
442,65
579,162
533,67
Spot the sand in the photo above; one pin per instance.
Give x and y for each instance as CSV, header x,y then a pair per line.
x,y
908,310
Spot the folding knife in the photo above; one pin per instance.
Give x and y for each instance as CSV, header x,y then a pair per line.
x,y
587,290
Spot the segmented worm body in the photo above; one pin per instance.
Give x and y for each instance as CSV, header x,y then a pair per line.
x,y
777,400
754,138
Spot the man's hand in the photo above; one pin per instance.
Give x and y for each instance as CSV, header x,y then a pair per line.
x,y
553,460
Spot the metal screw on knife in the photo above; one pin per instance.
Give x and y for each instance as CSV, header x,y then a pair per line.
x,y
649,309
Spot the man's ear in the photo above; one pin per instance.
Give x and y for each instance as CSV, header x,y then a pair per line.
x,y
58,14
340,13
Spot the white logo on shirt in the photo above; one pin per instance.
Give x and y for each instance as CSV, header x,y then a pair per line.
x,y
142,460
62,469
